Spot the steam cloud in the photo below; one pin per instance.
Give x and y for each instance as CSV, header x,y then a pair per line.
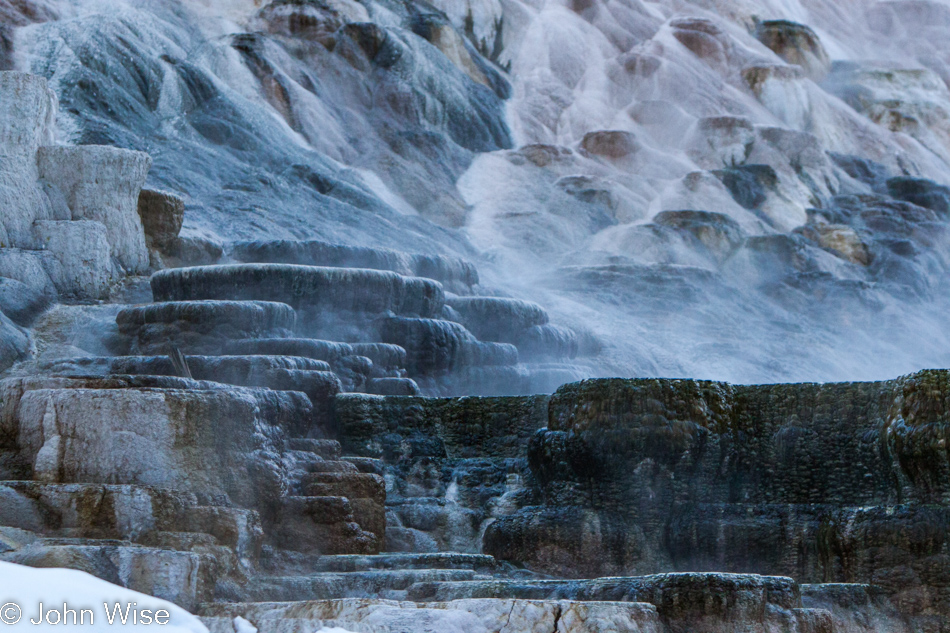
x,y
700,190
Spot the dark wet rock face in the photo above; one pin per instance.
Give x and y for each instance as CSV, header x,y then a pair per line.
x,y
679,475
162,214
748,184
626,477
450,460
923,193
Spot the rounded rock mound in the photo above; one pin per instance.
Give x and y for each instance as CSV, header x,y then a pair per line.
x,y
453,272
248,314
329,351
498,319
796,44
202,326
312,289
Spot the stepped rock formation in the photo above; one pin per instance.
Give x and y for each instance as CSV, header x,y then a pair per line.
x,y
542,144
309,311
72,225
815,507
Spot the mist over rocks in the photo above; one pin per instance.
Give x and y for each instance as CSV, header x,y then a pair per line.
x,y
457,275
303,306
353,124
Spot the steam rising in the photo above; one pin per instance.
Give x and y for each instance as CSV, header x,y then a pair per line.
x,y
549,141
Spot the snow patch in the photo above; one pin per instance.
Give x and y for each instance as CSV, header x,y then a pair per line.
x,y
24,589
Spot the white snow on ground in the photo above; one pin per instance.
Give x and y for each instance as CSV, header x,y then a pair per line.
x,y
24,589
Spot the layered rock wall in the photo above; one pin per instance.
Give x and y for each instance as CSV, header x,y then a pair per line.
x,y
450,462
70,227
824,483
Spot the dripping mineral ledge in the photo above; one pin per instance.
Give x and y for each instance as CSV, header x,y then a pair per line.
x,y
703,502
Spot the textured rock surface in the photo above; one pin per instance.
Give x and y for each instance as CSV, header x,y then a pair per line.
x,y
796,44
77,435
450,461
199,326
690,197
458,427
102,184
15,342
382,354
123,512
812,481
22,303
458,616
156,540
71,206
29,268
318,293
81,265
438,346
29,109
227,369
547,341
196,472
434,356
330,351
162,214
280,373
498,319
393,387
455,274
